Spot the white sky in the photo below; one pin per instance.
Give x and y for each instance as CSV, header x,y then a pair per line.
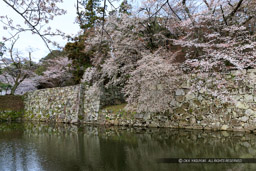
x,y
28,41
65,23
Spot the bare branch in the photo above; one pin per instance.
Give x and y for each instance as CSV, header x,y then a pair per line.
x,y
159,9
173,11
246,21
235,9
223,15
112,4
208,6
187,11
34,14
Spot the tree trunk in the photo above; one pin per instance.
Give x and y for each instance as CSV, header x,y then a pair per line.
x,y
13,89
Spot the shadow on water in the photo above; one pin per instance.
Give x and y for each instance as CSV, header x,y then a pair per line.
x,y
38,146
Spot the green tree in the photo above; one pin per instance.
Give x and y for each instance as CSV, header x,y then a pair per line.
x,y
80,58
90,15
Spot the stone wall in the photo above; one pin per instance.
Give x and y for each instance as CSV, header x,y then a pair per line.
x,y
72,104
53,104
90,105
64,104
216,101
223,101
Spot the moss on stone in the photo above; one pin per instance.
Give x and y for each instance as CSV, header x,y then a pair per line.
x,y
32,116
115,108
9,115
190,110
80,117
118,111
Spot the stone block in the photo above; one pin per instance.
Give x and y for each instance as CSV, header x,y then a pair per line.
x,y
251,71
249,112
153,125
146,116
160,86
182,124
238,128
224,127
225,133
190,96
248,98
238,72
197,127
242,105
138,116
186,85
74,121
235,122
180,98
179,92
244,118
173,103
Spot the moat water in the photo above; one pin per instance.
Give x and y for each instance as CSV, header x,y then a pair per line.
x,y
61,147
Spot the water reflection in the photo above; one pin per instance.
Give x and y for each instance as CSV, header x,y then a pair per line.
x,y
30,146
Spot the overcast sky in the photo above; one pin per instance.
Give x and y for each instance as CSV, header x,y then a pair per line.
x,y
28,41
65,23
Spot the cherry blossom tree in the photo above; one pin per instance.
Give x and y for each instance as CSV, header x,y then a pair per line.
x,y
35,15
58,73
16,68
150,87
145,52
2,49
